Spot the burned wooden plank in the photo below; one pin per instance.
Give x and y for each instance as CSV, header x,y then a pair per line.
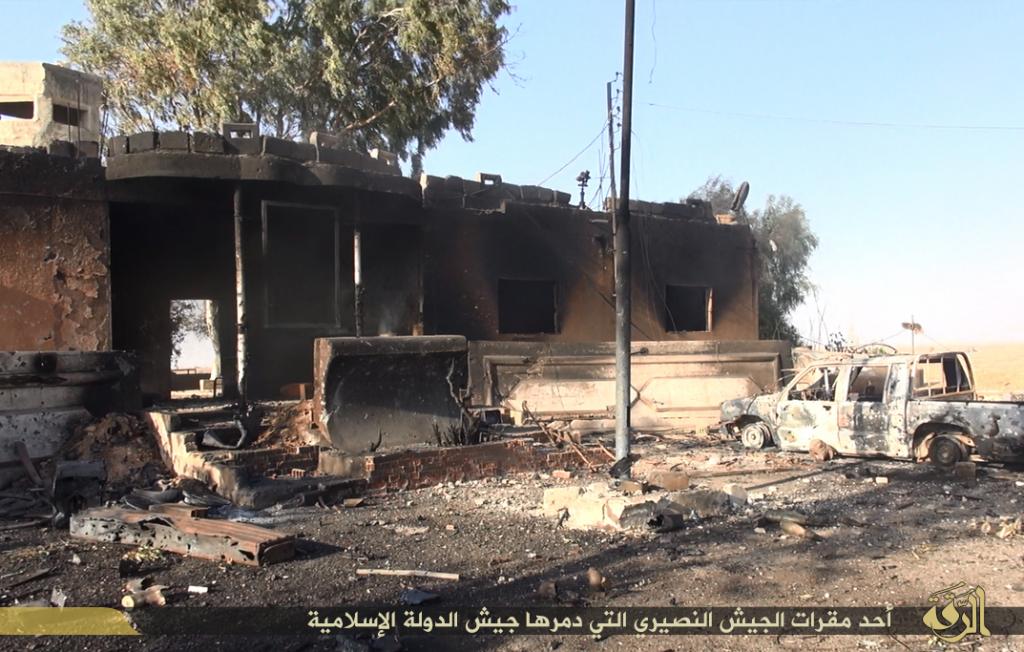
x,y
237,543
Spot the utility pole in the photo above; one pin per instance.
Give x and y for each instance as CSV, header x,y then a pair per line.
x,y
611,145
623,277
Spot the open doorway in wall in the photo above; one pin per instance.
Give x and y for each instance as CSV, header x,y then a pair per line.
x,y
195,349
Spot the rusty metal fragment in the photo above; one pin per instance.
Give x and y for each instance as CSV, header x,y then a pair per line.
x,y
237,543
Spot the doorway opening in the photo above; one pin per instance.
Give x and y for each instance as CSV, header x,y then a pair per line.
x,y
195,349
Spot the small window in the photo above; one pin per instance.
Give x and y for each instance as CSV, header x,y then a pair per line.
x,y
687,308
527,307
66,115
867,384
17,110
815,384
940,375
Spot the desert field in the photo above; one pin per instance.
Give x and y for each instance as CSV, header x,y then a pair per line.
x,y
998,366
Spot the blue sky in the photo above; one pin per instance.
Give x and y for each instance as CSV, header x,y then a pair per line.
x,y
918,220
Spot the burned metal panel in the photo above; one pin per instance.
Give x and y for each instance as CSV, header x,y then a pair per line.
x,y
217,540
676,384
54,273
388,391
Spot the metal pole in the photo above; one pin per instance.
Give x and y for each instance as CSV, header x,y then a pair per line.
x,y
611,145
622,268
240,316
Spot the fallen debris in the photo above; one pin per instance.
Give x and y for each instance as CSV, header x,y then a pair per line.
x,y
192,588
417,597
408,573
821,451
151,595
669,480
126,447
796,530
218,540
547,590
595,579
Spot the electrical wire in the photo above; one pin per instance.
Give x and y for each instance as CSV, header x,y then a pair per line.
x,y
578,154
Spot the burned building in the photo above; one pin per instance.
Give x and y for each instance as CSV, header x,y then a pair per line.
x,y
296,243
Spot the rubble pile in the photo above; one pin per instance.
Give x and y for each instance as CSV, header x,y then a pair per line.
x,y
291,425
125,446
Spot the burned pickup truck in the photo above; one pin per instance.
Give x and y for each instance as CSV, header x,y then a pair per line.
x,y
920,407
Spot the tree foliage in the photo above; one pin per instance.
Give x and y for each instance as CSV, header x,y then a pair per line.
x,y
784,244
395,74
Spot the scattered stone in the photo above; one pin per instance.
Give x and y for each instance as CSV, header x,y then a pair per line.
x,y
705,502
821,451
58,598
561,474
631,487
760,530
198,589
411,531
595,579
669,480
795,529
76,560
881,479
548,590
736,493
353,502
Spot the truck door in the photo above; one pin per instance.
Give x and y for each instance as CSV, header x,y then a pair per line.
x,y
870,411
806,410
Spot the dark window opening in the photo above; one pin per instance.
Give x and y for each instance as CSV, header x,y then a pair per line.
x,y
300,245
527,307
687,308
66,115
19,110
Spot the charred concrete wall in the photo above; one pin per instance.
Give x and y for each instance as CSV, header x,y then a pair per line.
x,y
54,272
471,254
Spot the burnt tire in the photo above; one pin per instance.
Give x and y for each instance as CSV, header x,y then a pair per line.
x,y
755,435
945,451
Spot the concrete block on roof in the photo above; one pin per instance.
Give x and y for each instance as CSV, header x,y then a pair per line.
x,y
144,141
117,145
244,146
470,187
390,158
338,156
562,197
288,149
239,130
488,179
453,184
174,140
206,143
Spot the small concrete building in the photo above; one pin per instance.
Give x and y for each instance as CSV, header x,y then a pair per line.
x,y
41,103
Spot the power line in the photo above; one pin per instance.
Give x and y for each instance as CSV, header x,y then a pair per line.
x,y
848,123
578,154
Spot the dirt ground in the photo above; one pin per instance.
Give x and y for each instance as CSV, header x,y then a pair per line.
x,y
881,544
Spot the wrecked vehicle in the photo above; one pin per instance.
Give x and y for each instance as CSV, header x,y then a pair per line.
x,y
900,406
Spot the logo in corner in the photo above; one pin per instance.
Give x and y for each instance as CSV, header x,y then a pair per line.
x,y
957,612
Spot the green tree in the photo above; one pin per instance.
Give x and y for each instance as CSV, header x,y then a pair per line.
x,y
784,244
395,74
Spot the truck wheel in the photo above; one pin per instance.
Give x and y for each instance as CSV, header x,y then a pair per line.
x,y
755,435
946,451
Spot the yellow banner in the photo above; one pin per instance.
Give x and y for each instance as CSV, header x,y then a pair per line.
x,y
67,621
